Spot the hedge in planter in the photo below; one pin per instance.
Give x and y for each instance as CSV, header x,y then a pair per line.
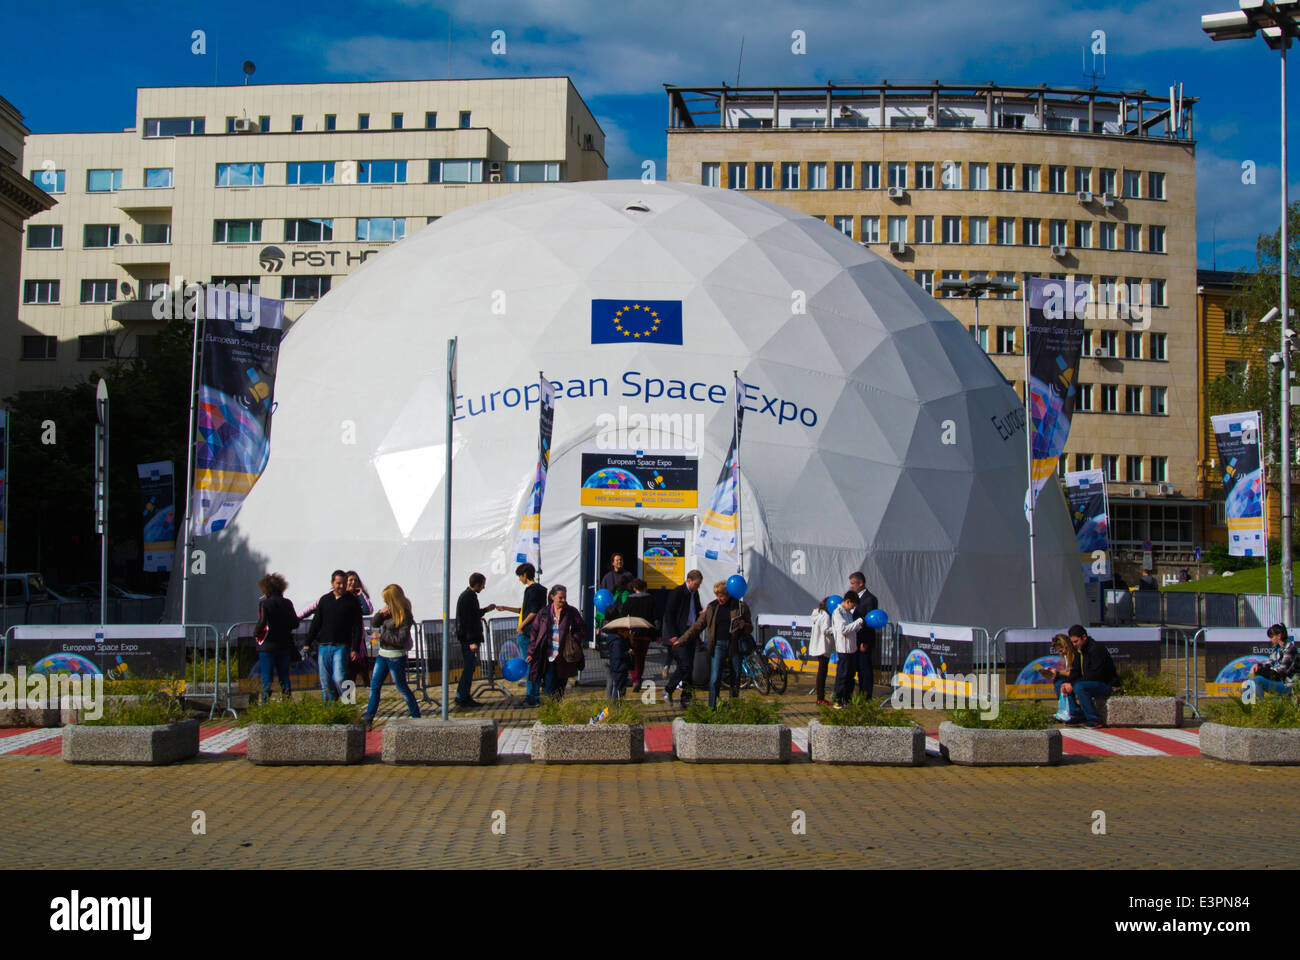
x,y
1265,732
154,732
1020,735
305,732
1143,701
863,732
739,730
564,732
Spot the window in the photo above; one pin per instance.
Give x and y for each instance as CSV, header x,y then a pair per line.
x,y
1134,287
898,175
925,176
1158,405
1133,468
1083,179
381,171
1006,342
979,229
952,229
296,123
1056,179
174,127
1006,230
381,229
1159,469
1156,239
230,124
853,120
363,121
1085,396
710,174
1108,341
1132,183
926,279
1083,234
311,172
1061,465
844,224
309,230
807,122
1012,121
96,347
1234,320
431,120
331,121
44,237
1133,345
1107,235
1158,346
1029,231
981,335
240,174
1057,231
236,231
98,291
1008,277
907,123
397,121
428,220
950,175
789,176
951,275
763,176
252,285
40,348
464,119
1106,293
156,178
1158,294
871,176
1132,399
1083,461
736,179
1132,236
1155,186
979,176
870,229
843,176
40,291
1109,398
1060,123
1006,176
533,171
51,181
103,181
304,288
1106,180
1029,177
951,120
1110,467
925,229
1086,347
155,233
898,229
96,235
816,176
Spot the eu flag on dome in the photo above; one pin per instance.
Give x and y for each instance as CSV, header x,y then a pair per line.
x,y
636,321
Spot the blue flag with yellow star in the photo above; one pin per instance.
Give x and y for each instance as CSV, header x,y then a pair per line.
x,y
636,321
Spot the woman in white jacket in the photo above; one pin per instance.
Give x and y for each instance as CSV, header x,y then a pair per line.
x,y
850,659
820,644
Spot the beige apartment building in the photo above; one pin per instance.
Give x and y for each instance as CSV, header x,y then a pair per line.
x,y
286,187
960,183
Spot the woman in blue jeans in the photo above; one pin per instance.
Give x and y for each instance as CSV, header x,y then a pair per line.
x,y
276,621
394,624
556,623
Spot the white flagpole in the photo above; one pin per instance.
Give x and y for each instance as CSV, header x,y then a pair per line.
x,y
446,524
735,436
1029,465
187,539
541,386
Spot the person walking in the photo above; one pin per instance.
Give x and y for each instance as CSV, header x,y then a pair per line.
x,y
682,610
336,621
851,658
617,642
469,631
357,668
555,652
394,622
639,603
532,604
867,635
820,644
724,624
276,622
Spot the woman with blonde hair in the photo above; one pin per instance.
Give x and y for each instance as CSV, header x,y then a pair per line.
x,y
394,622
1063,648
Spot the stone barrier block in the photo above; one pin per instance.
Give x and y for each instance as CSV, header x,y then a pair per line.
x,y
1122,711
275,744
432,741
997,748
588,743
152,745
731,742
1259,745
882,746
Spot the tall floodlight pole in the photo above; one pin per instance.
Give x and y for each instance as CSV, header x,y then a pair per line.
x,y
187,538
1277,20
101,493
446,523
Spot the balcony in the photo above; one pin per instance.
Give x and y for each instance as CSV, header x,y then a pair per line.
x,y
142,254
128,311
141,198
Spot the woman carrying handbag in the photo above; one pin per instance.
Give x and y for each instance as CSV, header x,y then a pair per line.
x,y
394,623
555,651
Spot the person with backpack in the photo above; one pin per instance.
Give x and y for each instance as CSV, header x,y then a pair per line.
x,y
555,652
394,622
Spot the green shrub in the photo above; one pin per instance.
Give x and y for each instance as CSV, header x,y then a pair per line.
x,y
1012,715
1134,683
150,713
580,711
734,710
1267,711
142,686
307,711
862,711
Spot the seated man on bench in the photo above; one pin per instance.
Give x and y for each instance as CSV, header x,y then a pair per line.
x,y
1093,675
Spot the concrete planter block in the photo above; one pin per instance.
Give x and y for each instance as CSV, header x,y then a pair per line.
x,y
1143,712
42,715
274,744
881,746
427,740
1250,744
731,742
153,745
588,743
998,748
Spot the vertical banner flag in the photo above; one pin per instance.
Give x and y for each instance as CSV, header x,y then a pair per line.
x,y
1243,481
1054,318
241,344
4,480
1086,491
528,545
158,514
717,537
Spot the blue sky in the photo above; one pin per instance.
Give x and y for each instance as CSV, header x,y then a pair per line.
x,y
83,73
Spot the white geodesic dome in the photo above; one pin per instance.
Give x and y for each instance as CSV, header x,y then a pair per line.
x,y
859,378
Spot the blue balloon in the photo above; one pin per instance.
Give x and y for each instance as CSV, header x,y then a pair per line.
x,y
736,586
602,600
833,603
514,670
876,619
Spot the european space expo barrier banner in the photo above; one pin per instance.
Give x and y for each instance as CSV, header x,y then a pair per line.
x,y
1054,319
1030,652
933,652
1243,481
528,545
158,513
663,557
1229,654
1086,492
639,478
719,527
120,652
241,345
787,637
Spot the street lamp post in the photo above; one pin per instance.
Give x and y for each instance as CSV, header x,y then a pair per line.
x,y
1277,20
979,285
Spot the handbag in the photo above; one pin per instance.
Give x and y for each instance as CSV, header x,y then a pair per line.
x,y
570,648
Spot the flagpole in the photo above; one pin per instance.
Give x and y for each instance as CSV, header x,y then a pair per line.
x,y
189,474
1029,466
740,513
446,523
101,493
4,499
1263,473
541,397
1110,553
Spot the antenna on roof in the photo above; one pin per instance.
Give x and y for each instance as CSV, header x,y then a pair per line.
x,y
740,59
250,68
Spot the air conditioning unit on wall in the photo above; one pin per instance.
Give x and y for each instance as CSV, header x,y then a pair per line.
x,y
896,193
897,247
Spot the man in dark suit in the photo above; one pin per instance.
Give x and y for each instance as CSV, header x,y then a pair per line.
x,y
683,609
867,635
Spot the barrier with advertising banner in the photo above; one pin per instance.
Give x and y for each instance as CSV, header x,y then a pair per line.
x,y
1029,652
119,652
786,636
1229,655
639,478
936,652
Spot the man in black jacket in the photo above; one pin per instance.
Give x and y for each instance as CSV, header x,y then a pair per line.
x,y
469,631
336,621
867,635
1093,676
683,609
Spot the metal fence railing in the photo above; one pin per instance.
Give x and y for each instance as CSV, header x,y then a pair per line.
x,y
1193,610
